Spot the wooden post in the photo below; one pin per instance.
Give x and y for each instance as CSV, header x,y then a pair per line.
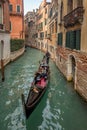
x,y
2,61
2,70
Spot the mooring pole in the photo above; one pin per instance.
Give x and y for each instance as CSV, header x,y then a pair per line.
x,y
2,70
2,61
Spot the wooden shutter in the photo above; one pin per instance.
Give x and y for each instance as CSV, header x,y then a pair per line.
x,y
72,39
68,39
78,39
60,39
1,14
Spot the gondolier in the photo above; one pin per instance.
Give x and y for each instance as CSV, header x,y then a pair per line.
x,y
47,56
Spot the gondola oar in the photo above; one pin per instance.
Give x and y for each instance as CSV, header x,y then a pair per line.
x,y
23,103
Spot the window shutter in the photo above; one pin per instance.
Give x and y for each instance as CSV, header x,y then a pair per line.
x,y
0,14
60,39
68,39
78,39
72,39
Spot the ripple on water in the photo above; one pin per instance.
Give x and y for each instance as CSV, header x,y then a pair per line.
x,y
8,102
16,119
49,118
11,92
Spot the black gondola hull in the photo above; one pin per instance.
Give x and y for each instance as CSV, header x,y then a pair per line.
x,y
37,90
30,108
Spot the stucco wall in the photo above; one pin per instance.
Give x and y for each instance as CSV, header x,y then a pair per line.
x,y
6,46
84,29
16,54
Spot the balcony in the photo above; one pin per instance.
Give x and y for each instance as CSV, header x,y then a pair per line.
x,y
74,17
16,13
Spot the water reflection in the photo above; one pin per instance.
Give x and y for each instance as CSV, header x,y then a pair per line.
x,y
49,118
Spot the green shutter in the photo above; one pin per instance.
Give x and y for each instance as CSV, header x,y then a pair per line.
x,y
68,39
72,39
78,39
60,39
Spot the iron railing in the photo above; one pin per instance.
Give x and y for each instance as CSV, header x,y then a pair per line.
x,y
16,13
74,17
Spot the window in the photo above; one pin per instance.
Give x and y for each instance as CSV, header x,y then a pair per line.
x,y
73,39
56,27
70,5
42,35
80,2
61,11
45,21
45,34
46,11
18,8
11,7
51,11
1,14
53,28
10,26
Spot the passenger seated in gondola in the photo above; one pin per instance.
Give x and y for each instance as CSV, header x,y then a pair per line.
x,y
37,76
42,83
41,73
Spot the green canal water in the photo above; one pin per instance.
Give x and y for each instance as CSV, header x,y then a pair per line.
x,y
61,108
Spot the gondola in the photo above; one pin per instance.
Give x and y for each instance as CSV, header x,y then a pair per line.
x,y
36,92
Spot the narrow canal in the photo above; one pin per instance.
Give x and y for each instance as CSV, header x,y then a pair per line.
x,y
61,108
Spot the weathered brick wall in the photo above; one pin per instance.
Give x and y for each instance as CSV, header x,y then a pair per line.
x,y
81,65
81,85
62,65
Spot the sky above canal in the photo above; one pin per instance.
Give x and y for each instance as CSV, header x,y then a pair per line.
x,y
29,5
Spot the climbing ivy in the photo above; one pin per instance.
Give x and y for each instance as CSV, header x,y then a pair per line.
x,y
16,44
